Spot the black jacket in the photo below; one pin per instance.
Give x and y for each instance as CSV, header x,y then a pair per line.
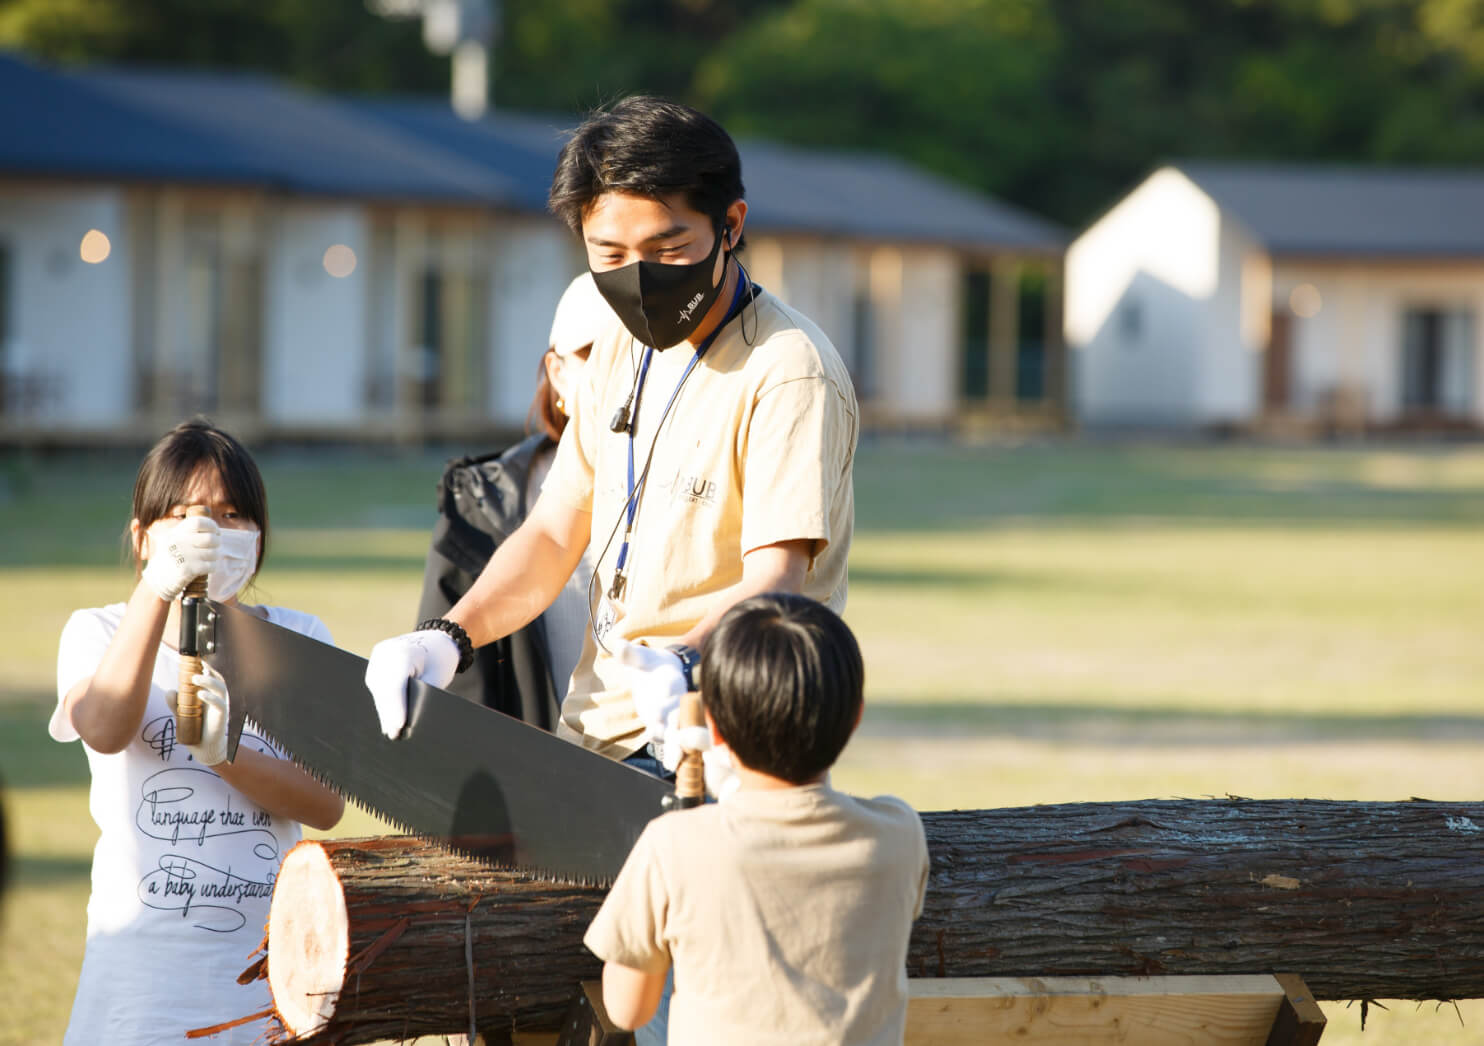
x,y
481,500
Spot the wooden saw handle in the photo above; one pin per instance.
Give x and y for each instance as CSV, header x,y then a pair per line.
x,y
690,775
187,704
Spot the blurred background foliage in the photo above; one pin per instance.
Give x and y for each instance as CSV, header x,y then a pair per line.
x,y
1056,105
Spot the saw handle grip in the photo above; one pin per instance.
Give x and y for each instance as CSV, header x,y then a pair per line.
x,y
690,775
187,704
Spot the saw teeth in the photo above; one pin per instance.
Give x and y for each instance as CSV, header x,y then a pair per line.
x,y
442,842
445,787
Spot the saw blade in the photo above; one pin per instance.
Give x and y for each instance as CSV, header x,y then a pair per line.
x,y
471,779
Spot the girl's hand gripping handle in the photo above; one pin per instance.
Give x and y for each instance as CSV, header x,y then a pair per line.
x,y
187,703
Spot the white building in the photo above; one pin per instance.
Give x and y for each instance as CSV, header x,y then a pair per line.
x,y
1223,295
296,265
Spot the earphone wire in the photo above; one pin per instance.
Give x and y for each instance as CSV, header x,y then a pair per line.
x,y
751,293
637,492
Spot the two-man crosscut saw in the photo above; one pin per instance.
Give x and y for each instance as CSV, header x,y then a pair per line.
x,y
463,775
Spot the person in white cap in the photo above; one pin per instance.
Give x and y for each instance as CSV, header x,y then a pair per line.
x,y
581,315
527,674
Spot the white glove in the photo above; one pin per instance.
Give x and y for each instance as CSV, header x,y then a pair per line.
x,y
721,773
181,554
211,691
430,655
678,740
656,683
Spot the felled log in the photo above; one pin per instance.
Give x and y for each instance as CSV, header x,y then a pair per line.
x,y
391,938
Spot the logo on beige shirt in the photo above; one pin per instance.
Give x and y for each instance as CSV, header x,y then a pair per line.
x,y
698,490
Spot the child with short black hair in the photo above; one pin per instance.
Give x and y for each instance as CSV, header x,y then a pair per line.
x,y
785,909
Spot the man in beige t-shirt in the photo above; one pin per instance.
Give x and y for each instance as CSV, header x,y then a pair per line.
x,y
785,909
754,452
709,454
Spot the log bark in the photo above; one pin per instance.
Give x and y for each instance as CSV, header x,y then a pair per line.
x,y
1363,900
391,937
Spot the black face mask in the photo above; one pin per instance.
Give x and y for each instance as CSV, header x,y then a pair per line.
x,y
661,304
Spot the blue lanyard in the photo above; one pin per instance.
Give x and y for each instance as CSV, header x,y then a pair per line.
x,y
632,504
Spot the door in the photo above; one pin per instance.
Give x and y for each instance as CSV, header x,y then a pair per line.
x,y
1277,365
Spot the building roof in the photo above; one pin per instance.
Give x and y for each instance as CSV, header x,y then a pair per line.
x,y
1351,211
218,128
521,149
54,124
872,196
789,189
249,130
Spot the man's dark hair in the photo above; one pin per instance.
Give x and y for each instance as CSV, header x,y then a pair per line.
x,y
782,677
647,147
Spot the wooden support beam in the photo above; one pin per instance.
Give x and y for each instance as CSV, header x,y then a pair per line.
x,y
1234,1010
1300,1021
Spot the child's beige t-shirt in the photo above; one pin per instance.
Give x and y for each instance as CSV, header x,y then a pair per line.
x,y
757,449
785,913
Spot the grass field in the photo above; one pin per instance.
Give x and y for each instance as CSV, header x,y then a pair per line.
x,y
1041,624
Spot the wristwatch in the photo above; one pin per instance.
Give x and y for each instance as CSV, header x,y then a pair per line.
x,y
690,664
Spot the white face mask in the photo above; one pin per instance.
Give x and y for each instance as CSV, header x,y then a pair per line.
x,y
236,562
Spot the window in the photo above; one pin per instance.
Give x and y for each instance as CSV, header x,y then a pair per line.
x,y
863,348
1437,361
30,383
198,322
428,316
381,318
4,295
427,350
6,390
4,306
1030,340
1130,320
974,345
193,378
449,347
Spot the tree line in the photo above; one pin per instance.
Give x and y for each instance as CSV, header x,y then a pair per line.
x,y
1055,105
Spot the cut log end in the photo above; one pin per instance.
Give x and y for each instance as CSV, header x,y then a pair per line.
x,y
311,941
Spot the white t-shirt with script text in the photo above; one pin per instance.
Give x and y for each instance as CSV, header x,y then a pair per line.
x,y
182,872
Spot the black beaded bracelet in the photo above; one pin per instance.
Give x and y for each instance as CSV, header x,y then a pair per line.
x,y
456,632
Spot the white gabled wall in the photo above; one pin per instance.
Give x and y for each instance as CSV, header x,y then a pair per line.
x,y
1168,302
315,330
1228,379
69,320
1140,284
